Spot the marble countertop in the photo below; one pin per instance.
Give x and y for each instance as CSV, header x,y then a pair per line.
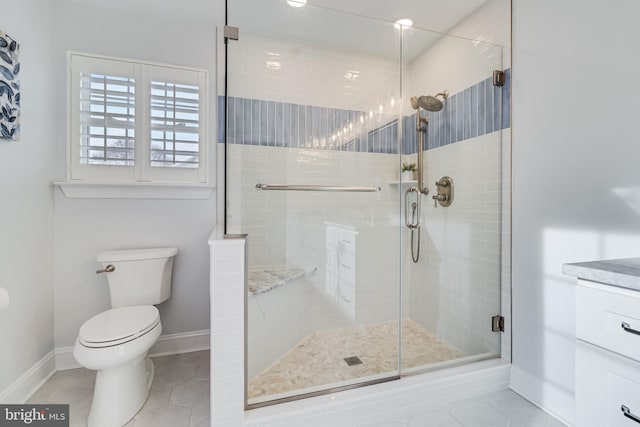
x,y
624,273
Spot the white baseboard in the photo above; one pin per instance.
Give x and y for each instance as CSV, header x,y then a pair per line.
x,y
167,344
28,383
549,398
182,343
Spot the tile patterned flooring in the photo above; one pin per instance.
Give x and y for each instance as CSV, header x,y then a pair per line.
x,y
319,357
500,409
179,394
180,398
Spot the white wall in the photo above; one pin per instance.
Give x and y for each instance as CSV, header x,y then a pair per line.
x,y
575,167
84,227
26,232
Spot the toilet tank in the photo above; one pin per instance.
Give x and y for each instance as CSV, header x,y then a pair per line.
x,y
140,277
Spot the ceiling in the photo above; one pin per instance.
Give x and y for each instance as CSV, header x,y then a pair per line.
x,y
365,27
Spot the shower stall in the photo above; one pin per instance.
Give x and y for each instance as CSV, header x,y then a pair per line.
x,y
318,111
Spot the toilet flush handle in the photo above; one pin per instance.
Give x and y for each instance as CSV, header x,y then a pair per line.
x,y
108,269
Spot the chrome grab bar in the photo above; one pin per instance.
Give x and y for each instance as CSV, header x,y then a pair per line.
x,y
287,187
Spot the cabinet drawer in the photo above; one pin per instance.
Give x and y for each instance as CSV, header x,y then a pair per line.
x,y
605,383
609,317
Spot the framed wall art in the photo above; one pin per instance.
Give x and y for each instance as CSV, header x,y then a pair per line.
x,y
9,88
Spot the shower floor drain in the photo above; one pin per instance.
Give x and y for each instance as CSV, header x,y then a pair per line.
x,y
353,360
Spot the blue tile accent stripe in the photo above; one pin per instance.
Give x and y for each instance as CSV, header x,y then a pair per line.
x,y
280,124
475,111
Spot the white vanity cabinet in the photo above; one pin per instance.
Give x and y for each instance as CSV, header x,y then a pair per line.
x,y
607,345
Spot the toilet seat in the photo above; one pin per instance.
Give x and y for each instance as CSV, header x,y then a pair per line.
x,y
118,326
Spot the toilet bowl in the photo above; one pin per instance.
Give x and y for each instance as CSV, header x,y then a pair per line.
x,y
115,342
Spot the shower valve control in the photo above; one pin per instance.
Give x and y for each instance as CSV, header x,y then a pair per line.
x,y
444,195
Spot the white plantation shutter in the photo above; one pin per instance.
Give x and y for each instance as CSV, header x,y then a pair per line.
x,y
175,125
107,119
177,117
132,121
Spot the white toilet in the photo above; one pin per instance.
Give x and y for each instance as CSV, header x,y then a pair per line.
x,y
115,342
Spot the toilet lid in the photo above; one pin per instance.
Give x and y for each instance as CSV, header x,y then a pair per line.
x,y
118,325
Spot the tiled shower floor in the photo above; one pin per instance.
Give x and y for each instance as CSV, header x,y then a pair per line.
x,y
319,358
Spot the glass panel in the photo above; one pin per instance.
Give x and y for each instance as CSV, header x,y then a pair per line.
x,y
453,290
312,102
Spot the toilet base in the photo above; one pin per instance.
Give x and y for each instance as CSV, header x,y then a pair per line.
x,y
120,393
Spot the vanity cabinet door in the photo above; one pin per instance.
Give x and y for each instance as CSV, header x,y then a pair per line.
x,y
607,388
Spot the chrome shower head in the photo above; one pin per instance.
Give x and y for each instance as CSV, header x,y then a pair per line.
x,y
429,103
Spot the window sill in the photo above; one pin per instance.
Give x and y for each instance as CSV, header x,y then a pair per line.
x,y
147,190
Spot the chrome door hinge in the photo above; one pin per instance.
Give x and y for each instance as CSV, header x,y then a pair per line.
x,y
497,324
499,78
231,33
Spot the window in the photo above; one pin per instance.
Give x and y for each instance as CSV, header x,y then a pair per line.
x,y
136,122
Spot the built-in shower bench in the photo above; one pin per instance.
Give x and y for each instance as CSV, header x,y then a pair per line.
x,y
265,279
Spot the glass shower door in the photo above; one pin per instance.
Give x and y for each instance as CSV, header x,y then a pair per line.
x,y
452,290
313,153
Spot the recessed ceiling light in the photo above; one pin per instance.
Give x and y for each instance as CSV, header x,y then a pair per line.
x,y
403,23
297,3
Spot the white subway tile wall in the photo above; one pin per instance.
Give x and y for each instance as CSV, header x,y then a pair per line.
x,y
454,290
290,228
310,74
227,330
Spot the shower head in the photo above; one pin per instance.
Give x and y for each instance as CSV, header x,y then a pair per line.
x,y
429,103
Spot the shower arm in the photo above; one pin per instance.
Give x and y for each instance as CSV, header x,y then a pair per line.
x,y
421,131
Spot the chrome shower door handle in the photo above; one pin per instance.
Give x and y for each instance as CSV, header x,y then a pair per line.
x,y
414,222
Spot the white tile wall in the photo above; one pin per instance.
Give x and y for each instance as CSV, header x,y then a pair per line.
x,y
290,228
455,288
490,23
309,74
280,318
453,64
227,329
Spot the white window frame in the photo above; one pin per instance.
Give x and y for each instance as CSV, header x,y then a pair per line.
x,y
141,173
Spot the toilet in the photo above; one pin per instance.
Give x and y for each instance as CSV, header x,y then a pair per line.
x,y
116,342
